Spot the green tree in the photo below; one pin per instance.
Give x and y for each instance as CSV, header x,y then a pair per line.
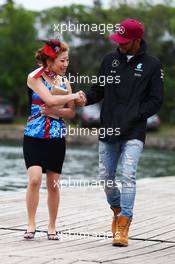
x,y
87,48
18,41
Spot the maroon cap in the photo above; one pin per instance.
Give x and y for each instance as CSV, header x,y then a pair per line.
x,y
130,29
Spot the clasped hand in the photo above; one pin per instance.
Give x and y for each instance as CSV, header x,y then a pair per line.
x,y
79,100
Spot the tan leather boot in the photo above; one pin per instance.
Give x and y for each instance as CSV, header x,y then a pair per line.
x,y
116,210
120,236
114,219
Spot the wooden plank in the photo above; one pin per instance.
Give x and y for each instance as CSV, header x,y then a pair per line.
x,y
85,211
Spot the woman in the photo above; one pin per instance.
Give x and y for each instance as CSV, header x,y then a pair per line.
x,y
44,144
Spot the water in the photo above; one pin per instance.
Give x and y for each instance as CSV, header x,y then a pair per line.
x,y
81,163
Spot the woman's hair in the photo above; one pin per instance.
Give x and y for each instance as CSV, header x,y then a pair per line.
x,y
50,51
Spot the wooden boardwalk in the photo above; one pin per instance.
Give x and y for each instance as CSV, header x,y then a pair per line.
x,y
84,222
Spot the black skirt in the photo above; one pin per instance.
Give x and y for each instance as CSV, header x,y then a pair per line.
x,y
46,153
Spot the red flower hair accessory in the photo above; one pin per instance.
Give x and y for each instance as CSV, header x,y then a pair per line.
x,y
51,48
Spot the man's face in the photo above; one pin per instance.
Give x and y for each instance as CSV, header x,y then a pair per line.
x,y
128,48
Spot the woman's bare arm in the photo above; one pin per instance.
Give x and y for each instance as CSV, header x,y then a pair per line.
x,y
51,100
69,111
57,111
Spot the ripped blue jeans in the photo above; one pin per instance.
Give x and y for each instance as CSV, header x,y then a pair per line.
x,y
128,153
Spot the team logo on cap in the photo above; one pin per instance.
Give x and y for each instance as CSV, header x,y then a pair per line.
x,y
115,63
121,30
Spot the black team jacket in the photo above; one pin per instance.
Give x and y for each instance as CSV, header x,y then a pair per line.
x,y
133,91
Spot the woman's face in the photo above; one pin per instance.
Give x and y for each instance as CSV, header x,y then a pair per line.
x,y
60,64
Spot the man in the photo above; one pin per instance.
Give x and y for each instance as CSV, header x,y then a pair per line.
x,y
127,103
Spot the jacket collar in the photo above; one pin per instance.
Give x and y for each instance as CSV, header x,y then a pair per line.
x,y
143,48
141,51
